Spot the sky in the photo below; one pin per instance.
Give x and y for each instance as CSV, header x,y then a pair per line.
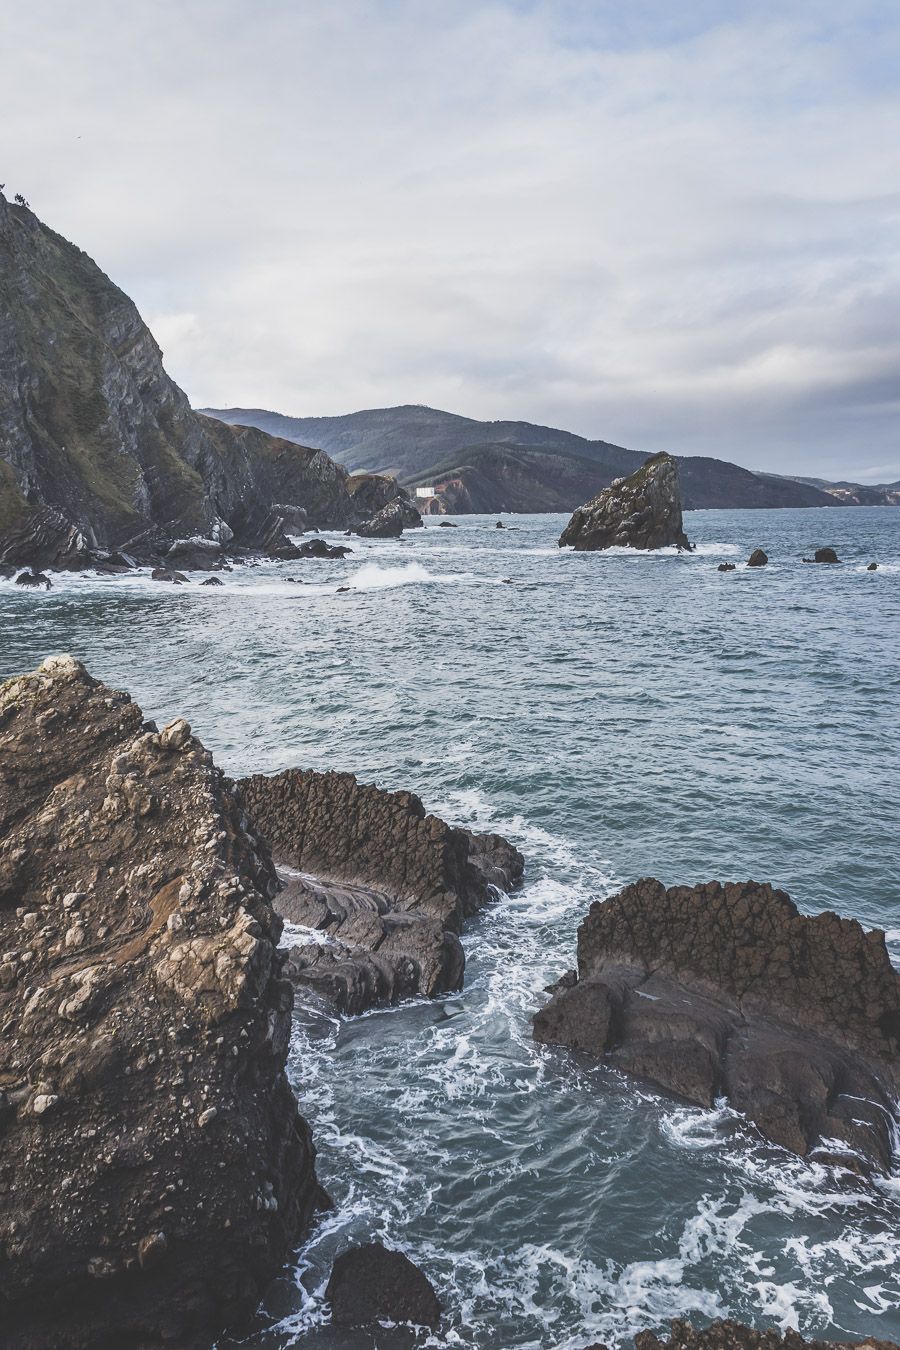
x,y
671,226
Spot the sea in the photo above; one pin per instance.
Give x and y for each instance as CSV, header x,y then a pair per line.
x,y
617,715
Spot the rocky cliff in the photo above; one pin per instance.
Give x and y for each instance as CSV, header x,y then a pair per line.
x,y
154,1170
642,511
93,427
714,990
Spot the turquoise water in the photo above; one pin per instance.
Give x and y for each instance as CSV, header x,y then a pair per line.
x,y
617,716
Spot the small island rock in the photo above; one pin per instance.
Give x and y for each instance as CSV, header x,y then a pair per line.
x,y
758,558
642,511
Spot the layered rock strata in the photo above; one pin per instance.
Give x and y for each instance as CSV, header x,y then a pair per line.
x,y
728,991
642,511
387,886
154,1169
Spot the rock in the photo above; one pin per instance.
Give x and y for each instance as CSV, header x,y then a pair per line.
x,y
392,520
729,1335
163,574
872,567
447,525
212,581
129,1213
388,886
758,558
823,555
319,548
499,525
34,579
642,511
727,567
373,1283
46,537
193,555
715,990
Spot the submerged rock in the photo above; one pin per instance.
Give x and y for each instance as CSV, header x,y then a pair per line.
x,y
154,1170
388,886
642,511
758,558
375,1284
211,581
727,567
163,574
729,1335
714,990
392,520
872,567
34,580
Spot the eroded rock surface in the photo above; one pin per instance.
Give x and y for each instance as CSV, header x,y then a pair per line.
x,y
713,990
642,511
154,1170
374,1283
386,885
392,520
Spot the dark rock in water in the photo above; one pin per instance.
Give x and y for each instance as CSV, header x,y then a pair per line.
x,y
823,555
154,1171
163,574
715,990
448,525
499,525
388,886
727,567
642,511
729,1335
193,555
872,567
342,589
34,579
211,581
319,548
371,1284
392,520
758,558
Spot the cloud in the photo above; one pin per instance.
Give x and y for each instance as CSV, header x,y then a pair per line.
x,y
666,229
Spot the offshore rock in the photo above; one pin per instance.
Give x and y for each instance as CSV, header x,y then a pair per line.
x,y
727,567
642,511
729,1335
713,990
823,555
35,580
387,886
392,520
154,1171
758,558
374,1284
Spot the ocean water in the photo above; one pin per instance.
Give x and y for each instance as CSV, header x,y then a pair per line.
x,y
617,715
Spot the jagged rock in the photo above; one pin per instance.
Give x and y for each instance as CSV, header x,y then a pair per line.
x,y
372,492
154,1171
34,579
642,511
373,1283
211,581
727,567
872,567
823,555
388,886
715,990
392,520
729,1335
499,525
46,537
758,558
318,548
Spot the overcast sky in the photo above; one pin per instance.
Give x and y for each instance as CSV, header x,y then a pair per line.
x,y
673,226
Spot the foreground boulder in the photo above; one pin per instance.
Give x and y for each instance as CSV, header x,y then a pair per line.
x,y
387,886
392,520
154,1171
373,1284
714,990
642,511
729,1335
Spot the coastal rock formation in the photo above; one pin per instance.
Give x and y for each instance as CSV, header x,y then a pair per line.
x,y
872,567
823,555
387,886
376,1284
392,520
642,511
715,990
34,580
758,558
100,449
154,1170
727,567
729,1335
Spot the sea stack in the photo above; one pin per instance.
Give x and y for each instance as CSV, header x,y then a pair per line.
x,y
642,511
154,1171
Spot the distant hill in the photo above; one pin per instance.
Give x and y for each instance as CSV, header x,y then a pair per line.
x,y
857,494
510,466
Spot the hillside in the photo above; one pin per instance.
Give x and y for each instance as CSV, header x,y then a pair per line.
x,y
491,465
94,431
